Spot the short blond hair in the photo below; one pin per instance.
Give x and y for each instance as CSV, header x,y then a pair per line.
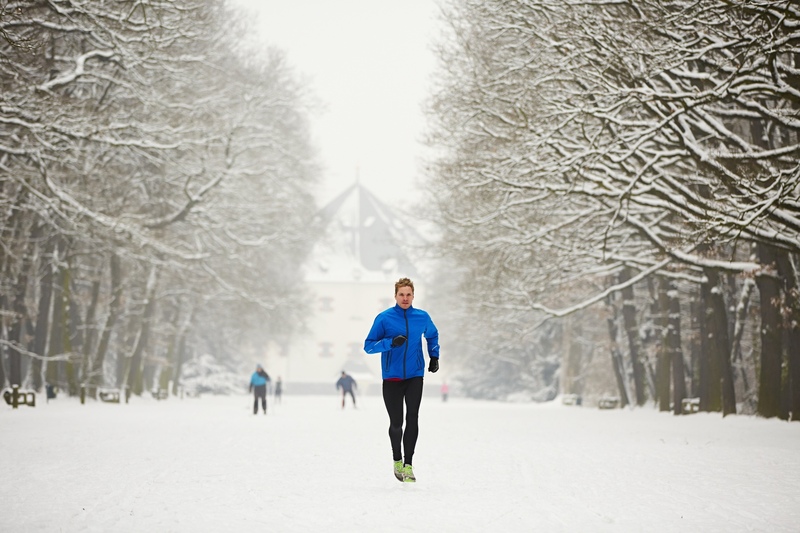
x,y
403,282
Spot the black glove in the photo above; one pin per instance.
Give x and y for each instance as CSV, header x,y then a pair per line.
x,y
398,341
433,366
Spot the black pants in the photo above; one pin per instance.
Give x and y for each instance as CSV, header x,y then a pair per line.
x,y
394,393
344,395
260,391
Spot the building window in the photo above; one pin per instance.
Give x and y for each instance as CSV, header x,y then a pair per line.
x,y
325,304
326,349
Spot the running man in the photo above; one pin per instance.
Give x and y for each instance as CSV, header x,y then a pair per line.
x,y
397,335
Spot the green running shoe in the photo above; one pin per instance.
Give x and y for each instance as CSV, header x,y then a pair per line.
x,y
398,470
408,474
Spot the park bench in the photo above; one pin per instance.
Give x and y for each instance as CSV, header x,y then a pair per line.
x,y
109,395
608,402
16,397
690,405
160,394
571,399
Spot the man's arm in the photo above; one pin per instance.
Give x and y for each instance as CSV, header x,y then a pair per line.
x,y
375,341
432,338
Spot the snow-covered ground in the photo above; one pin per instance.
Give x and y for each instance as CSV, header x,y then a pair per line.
x,y
209,464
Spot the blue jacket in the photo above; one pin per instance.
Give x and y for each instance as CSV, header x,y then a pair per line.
x,y
258,379
346,383
407,360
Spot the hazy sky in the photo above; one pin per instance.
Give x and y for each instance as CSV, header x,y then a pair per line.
x,y
370,62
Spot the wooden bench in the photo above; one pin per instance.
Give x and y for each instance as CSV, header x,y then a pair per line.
x,y
108,395
571,399
690,405
160,394
16,397
608,402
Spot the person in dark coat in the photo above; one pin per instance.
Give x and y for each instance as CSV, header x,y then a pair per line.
x,y
347,384
278,390
258,385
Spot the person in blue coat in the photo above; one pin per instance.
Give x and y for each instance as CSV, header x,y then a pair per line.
x,y
397,335
258,385
347,384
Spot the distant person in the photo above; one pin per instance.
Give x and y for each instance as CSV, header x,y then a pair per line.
x,y
278,390
50,391
445,391
347,384
258,385
397,334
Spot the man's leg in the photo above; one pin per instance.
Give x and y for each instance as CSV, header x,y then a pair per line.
x,y
255,402
393,400
413,400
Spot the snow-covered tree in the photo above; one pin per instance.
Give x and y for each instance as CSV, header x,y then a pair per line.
x,y
579,140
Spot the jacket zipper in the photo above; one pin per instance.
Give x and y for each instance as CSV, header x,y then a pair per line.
x,y
405,352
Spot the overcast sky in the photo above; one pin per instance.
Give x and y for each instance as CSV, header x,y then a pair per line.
x,y
370,62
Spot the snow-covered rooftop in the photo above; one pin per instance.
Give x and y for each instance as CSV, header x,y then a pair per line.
x,y
363,240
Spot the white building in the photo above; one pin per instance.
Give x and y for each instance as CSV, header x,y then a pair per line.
x,y
351,274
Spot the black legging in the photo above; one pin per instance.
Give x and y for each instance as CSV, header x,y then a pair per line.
x,y
394,392
259,392
344,395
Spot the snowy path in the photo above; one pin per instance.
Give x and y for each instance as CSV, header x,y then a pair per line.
x,y
210,465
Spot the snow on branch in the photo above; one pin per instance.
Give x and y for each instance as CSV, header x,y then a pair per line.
x,y
80,69
599,296
113,224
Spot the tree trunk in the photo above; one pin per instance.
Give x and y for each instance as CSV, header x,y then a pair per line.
x,y
769,381
95,377
663,363
722,346
718,378
69,330
180,355
54,370
632,332
89,336
674,350
737,358
695,346
616,355
788,271
42,329
136,379
19,309
11,227
571,381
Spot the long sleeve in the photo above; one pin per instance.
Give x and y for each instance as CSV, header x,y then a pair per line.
x,y
375,341
432,338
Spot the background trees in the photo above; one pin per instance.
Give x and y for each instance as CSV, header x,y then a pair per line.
x,y
154,184
644,150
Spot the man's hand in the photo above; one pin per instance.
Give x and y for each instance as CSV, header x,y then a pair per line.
x,y
433,366
398,341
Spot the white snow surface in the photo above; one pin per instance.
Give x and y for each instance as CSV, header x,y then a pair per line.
x,y
209,464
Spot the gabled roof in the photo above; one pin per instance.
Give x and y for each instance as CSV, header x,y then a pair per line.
x,y
361,239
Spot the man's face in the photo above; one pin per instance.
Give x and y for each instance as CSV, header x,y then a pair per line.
x,y
404,297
